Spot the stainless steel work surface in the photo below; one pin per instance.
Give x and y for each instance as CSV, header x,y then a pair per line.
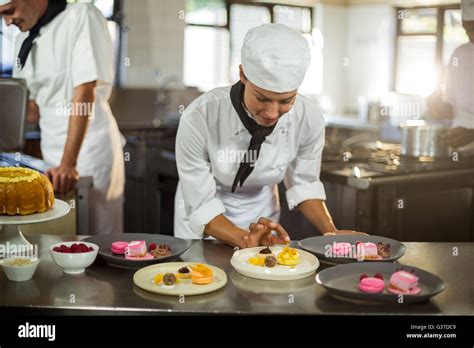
x,y
104,289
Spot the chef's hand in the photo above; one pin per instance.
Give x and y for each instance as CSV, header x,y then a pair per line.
x,y
261,234
458,137
346,232
64,178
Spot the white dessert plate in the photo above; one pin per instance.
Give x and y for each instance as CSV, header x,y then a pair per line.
x,y
143,278
306,267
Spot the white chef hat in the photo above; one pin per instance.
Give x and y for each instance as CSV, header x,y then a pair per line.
x,y
275,57
467,9
4,2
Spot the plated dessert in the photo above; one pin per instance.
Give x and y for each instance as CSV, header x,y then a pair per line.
x,y
138,251
342,249
196,274
180,278
401,282
266,258
361,250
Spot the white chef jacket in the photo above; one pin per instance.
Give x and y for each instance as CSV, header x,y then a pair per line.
x,y
73,49
460,85
208,147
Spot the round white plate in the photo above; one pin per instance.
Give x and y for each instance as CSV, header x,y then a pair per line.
x,y
307,266
143,278
60,208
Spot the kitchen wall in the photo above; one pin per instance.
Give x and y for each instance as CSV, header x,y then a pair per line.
x,y
357,54
153,43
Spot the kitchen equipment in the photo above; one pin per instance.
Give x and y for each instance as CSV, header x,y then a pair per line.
x,y
342,283
424,140
13,109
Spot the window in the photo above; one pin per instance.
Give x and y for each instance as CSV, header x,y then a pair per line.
x,y
426,39
109,8
206,44
215,33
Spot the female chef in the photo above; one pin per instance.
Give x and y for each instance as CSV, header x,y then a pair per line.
x,y
235,144
65,55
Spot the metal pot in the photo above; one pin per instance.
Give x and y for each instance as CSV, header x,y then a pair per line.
x,y
424,141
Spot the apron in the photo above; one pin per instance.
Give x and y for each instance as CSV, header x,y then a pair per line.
x,y
101,157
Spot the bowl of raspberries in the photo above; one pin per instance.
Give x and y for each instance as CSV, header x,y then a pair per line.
x,y
74,257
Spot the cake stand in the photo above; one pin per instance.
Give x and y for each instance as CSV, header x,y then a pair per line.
x,y
10,234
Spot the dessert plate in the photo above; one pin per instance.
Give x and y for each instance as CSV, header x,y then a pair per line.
x,y
178,247
143,278
306,267
322,247
342,282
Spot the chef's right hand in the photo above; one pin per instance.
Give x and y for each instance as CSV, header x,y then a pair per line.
x,y
261,234
64,178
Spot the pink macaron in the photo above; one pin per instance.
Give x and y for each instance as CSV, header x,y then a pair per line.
x,y
371,285
119,247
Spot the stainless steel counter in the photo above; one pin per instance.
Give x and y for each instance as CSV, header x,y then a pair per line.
x,y
104,289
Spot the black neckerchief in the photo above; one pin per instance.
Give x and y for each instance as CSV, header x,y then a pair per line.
x,y
259,134
54,8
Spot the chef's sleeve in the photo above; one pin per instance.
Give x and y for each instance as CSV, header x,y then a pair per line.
x,y
194,168
92,54
302,175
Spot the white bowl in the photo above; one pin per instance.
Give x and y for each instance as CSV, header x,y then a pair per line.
x,y
74,263
20,273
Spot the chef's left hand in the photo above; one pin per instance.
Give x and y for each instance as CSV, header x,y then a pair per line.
x,y
458,137
64,178
346,232
261,234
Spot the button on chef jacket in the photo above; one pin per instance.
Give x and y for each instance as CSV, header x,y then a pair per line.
x,y
73,49
209,143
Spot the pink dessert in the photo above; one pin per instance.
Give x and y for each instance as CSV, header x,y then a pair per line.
x,y
367,251
136,249
402,282
371,285
119,247
341,249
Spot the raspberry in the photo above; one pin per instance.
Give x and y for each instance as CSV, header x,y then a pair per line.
x,y
75,248
57,249
84,248
363,276
152,247
378,275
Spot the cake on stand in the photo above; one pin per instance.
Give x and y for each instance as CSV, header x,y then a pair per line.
x,y
11,238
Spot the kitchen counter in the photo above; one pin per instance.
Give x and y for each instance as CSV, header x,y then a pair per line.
x,y
104,289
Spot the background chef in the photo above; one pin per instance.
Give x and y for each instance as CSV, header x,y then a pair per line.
x,y
65,55
235,144
460,84
457,101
